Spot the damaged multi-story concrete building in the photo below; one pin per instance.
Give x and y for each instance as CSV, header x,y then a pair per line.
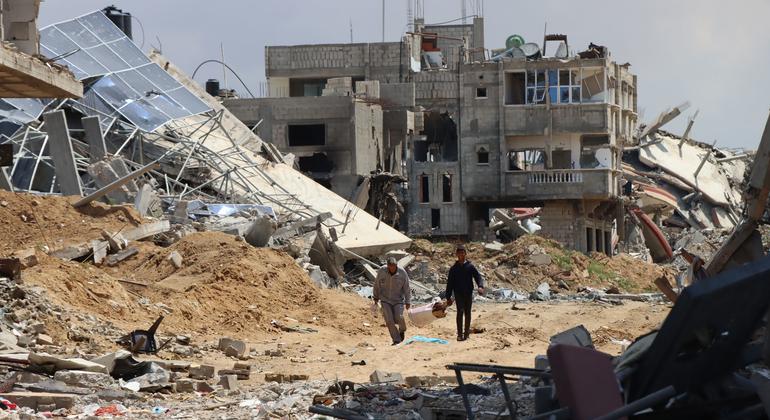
x,y
471,130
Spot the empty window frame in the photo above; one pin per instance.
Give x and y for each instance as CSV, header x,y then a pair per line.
x,y
481,92
514,88
307,135
526,160
446,188
535,80
590,144
424,188
482,155
435,218
593,85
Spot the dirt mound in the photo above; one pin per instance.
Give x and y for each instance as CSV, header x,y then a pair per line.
x,y
37,221
531,260
224,287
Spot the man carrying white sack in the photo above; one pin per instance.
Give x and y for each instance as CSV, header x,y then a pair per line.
x,y
392,288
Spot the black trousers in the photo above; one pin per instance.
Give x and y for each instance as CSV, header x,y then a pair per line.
x,y
464,303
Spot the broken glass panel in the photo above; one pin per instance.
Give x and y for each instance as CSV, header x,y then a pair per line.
x,y
79,34
130,86
102,27
159,77
129,52
108,59
142,114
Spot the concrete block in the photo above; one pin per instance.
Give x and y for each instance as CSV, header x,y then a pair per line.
x,y
241,374
147,202
100,250
202,371
26,257
185,385
232,347
44,340
176,258
229,382
34,400
379,376
84,379
203,387
116,240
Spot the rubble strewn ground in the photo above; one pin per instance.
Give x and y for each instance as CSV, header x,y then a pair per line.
x,y
260,296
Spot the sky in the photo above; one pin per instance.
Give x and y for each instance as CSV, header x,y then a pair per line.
x,y
714,54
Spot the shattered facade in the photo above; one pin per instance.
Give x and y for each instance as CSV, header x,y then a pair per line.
x,y
480,133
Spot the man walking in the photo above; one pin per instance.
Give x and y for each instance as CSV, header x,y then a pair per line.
x,y
392,288
460,284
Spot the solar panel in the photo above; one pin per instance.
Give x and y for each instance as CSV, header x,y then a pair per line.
x,y
126,82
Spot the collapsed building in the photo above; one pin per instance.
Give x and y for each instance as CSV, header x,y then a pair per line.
x,y
470,131
144,132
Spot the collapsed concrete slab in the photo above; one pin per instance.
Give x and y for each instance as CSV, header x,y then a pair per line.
x,y
683,163
362,233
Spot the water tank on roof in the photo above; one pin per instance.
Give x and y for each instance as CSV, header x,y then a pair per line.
x,y
120,18
514,41
212,87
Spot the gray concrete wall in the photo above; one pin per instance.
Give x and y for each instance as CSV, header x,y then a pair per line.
x,y
454,214
348,122
373,61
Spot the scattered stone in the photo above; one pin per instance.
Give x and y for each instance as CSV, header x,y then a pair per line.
x,y
185,385
229,382
281,377
35,400
27,257
378,377
242,374
231,347
44,340
176,258
84,379
540,259
202,371
543,292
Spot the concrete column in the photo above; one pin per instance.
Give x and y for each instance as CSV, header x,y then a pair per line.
x,y
94,137
61,153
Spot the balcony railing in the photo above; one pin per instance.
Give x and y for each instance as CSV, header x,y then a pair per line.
x,y
555,177
561,184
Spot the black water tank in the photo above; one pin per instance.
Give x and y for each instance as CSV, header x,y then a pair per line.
x,y
212,87
119,18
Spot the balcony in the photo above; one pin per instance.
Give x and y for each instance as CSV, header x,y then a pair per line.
x,y
561,184
523,120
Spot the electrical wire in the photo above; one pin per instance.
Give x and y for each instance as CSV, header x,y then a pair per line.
x,y
450,21
228,67
140,27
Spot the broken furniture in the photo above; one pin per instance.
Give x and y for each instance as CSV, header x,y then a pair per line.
x,y
143,341
500,372
704,338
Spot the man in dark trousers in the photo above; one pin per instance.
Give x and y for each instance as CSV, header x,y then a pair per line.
x,y
460,284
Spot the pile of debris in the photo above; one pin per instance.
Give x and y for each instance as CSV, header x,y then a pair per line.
x,y
529,267
177,156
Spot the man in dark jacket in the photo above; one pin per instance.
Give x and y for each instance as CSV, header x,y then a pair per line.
x,y
460,284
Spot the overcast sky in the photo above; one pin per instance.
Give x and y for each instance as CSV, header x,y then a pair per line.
x,y
714,54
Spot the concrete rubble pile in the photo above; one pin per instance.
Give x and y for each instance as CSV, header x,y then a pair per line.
x,y
675,186
180,158
531,268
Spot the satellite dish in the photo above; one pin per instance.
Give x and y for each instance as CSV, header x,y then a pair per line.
x,y
512,52
514,41
531,50
562,51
